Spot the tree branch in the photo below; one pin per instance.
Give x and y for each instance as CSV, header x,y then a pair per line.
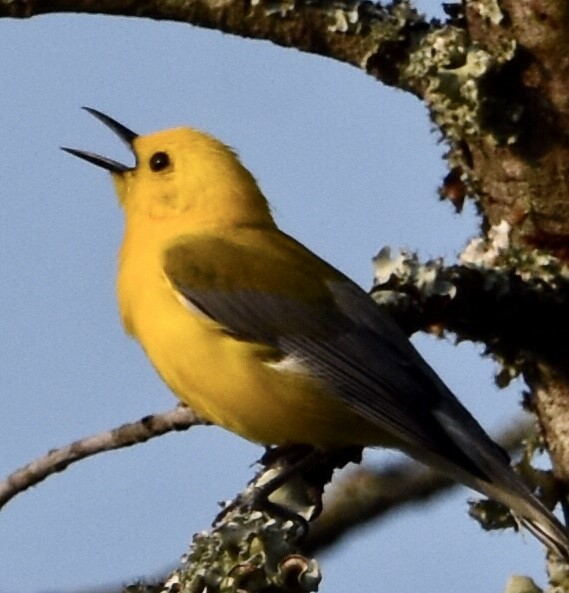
x,y
370,36
149,427
517,307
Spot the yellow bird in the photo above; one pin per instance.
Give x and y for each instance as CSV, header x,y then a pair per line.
x,y
259,335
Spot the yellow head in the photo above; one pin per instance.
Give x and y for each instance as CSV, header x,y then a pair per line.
x,y
183,172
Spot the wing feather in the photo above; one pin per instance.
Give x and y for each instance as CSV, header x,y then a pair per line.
x,y
346,340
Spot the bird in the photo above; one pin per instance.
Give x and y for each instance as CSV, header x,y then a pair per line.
x,y
259,335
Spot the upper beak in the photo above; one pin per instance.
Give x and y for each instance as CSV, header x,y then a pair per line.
x,y
126,135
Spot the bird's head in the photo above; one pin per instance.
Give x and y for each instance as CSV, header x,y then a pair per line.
x,y
182,172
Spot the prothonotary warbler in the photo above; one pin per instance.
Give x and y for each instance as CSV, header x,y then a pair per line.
x,y
259,335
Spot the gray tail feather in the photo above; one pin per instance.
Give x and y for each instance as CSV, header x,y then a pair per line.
x,y
549,532
529,511
507,487
500,482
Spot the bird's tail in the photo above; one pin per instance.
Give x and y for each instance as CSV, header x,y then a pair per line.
x,y
495,478
549,535
531,513
488,471
548,530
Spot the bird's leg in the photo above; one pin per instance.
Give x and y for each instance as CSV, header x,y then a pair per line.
x,y
283,470
292,481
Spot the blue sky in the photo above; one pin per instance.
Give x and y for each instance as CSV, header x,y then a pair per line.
x,y
348,165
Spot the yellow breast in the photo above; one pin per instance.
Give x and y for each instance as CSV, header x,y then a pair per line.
x,y
233,383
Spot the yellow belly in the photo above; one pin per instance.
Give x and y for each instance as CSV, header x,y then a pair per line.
x,y
232,383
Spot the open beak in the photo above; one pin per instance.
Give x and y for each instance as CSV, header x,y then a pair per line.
x,y
126,135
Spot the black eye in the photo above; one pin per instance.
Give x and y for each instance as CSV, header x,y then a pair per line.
x,y
159,161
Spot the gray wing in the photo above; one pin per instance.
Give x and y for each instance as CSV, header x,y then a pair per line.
x,y
366,362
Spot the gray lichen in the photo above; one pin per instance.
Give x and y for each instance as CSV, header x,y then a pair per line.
x,y
497,253
406,269
250,550
488,9
521,584
453,72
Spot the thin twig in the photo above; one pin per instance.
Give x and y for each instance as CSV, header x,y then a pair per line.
x,y
149,427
